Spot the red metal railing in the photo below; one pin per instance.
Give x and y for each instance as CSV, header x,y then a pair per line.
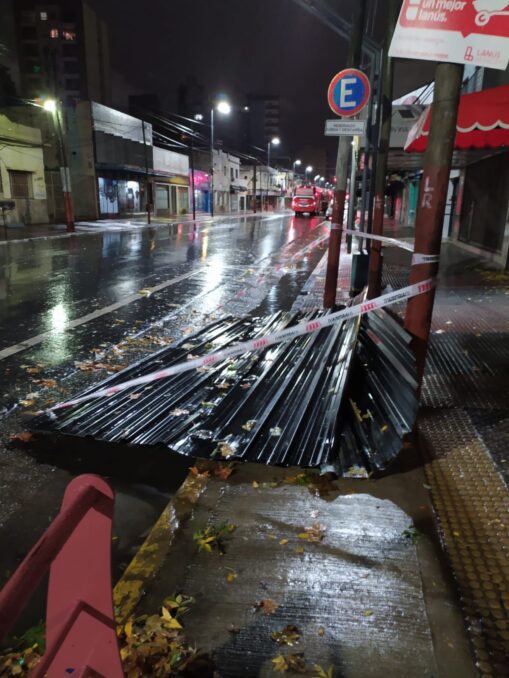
x,y
76,549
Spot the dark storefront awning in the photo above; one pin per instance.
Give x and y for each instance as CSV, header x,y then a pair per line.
x,y
483,122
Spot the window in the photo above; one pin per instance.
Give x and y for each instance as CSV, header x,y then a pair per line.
x,y
232,174
69,35
73,84
236,174
70,50
54,33
31,49
71,67
21,184
43,16
162,197
29,33
224,170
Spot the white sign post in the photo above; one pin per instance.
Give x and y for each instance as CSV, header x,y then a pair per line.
x,y
474,32
345,128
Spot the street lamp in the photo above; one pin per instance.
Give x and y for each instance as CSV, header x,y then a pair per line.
x,y
309,169
224,108
275,141
52,107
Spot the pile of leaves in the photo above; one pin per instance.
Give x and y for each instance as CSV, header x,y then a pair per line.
x,y
25,655
156,646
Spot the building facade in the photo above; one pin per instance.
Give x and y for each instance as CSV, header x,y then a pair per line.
x,y
22,173
170,183
227,182
62,49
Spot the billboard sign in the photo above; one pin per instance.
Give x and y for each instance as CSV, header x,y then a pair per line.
x,y
474,32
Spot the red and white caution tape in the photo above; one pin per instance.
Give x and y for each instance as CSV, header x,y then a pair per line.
x,y
263,342
416,257
425,259
382,238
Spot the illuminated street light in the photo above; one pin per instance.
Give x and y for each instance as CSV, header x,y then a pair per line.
x,y
224,108
275,141
309,169
50,105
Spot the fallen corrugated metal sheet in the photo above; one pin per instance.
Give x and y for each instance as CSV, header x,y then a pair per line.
x,y
322,399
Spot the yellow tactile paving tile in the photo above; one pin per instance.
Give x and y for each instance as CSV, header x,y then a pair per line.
x,y
471,502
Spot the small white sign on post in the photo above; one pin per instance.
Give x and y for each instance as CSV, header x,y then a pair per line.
x,y
345,128
474,32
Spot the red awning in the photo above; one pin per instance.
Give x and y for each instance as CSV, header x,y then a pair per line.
x,y
483,122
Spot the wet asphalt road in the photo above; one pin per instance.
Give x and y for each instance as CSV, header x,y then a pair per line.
x,y
106,299
95,281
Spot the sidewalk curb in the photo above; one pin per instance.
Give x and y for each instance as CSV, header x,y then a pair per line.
x,y
150,556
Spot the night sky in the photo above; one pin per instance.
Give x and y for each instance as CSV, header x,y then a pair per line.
x,y
240,47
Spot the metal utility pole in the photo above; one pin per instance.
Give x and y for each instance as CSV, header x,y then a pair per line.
x,y
344,146
375,260
254,186
147,181
431,205
212,162
65,175
193,195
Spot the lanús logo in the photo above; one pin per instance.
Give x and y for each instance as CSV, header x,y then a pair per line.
x,y
486,9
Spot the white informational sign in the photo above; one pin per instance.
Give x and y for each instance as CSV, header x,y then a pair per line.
x,y
474,32
345,128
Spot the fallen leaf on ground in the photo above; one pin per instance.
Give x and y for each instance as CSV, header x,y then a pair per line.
x,y
299,551
145,292
231,576
249,425
172,622
46,383
290,635
27,403
255,484
195,471
267,606
276,431
33,370
320,672
213,536
315,533
321,631
283,541
222,472
367,613
134,396
280,664
22,436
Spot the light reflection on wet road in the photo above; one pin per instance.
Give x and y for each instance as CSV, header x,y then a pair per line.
x,y
46,284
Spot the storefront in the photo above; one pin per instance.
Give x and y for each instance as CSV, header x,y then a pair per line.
x,y
171,183
201,191
118,196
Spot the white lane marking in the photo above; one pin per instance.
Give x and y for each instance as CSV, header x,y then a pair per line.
x,y
37,339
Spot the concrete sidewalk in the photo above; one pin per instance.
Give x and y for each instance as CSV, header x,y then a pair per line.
x,y
368,571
